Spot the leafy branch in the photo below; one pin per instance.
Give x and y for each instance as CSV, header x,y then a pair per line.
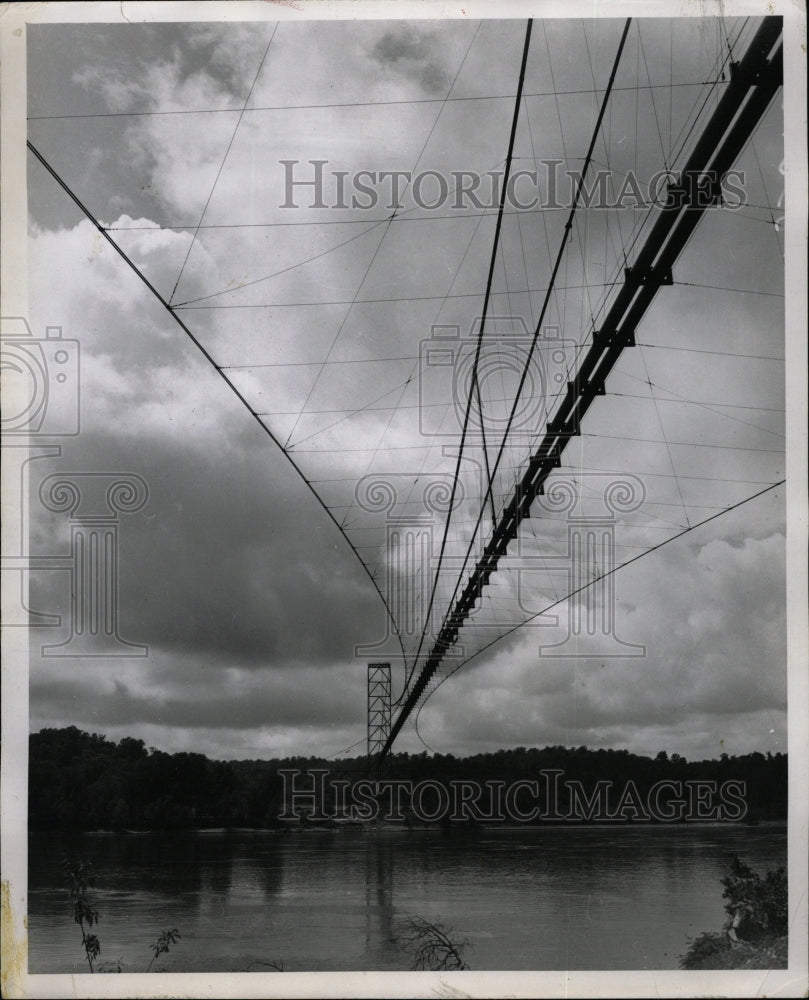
x,y
754,935
163,943
759,902
80,881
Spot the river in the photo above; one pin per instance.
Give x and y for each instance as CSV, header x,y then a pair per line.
x,y
540,898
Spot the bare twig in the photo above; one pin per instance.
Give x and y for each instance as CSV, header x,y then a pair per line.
x,y
434,946
278,966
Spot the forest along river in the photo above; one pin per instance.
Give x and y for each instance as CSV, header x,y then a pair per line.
x,y
526,898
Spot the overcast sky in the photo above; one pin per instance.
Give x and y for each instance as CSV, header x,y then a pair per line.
x,y
249,598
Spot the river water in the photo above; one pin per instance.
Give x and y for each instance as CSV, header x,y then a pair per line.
x,y
526,898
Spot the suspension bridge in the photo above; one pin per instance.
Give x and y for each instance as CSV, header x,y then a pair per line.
x,y
500,393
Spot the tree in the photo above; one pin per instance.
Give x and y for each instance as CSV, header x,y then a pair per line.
x,y
755,933
754,904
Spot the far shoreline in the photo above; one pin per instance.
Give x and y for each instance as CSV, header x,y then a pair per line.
x,y
466,828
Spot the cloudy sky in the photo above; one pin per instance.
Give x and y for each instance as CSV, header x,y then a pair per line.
x,y
249,598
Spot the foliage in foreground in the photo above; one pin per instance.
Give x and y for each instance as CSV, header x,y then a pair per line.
x,y
433,945
755,933
716,951
163,943
81,881
763,899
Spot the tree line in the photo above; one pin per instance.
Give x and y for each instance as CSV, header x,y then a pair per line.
x,y
83,781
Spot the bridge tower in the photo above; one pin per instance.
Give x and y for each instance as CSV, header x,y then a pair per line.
x,y
379,707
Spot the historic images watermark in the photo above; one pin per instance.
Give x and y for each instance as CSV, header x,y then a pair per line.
x,y
494,381
550,797
41,411
315,184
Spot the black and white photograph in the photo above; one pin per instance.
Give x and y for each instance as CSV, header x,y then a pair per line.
x,y
404,499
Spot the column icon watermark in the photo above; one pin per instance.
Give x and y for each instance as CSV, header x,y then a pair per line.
x,y
587,568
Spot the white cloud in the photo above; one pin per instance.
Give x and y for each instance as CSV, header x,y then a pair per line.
x,y
714,629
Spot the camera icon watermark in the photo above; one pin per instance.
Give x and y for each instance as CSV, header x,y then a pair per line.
x,y
497,378
41,388
41,405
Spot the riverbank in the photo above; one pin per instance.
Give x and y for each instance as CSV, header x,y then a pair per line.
x,y
715,951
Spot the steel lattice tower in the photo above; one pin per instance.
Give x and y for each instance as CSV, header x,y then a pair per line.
x,y
379,707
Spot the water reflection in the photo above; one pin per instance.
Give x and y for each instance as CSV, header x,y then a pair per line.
x,y
527,898
380,929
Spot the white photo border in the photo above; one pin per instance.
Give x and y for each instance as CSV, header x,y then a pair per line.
x,y
14,18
